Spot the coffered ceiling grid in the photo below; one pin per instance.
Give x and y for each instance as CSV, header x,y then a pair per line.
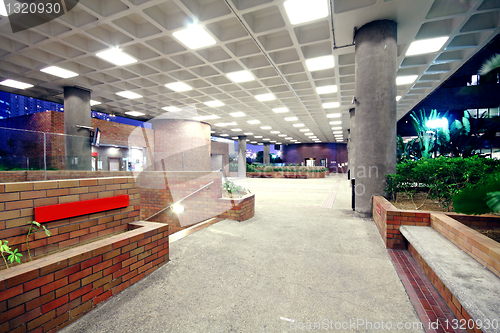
x,y
253,35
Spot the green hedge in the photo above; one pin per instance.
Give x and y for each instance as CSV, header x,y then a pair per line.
x,y
441,177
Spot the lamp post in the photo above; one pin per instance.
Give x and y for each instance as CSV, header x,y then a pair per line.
x,y
435,124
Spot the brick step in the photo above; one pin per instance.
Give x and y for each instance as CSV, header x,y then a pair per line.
x,y
468,287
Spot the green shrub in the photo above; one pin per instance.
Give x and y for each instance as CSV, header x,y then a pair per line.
x,y
441,178
480,198
232,190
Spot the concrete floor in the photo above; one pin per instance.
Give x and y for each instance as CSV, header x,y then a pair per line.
x,y
293,265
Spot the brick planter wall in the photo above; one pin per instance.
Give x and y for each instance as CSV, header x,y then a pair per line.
x,y
48,294
240,209
17,202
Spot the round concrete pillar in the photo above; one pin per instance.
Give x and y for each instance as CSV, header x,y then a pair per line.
x,y
242,156
181,145
351,146
375,120
77,142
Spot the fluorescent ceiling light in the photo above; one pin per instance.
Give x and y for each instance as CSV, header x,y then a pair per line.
x,y
237,114
253,141
337,128
265,127
291,118
92,102
278,143
15,84
209,117
3,10
253,122
241,76
236,129
293,140
337,132
304,129
310,133
337,122
426,45
288,138
128,94
300,11
266,139
58,71
134,113
178,86
275,132
273,141
224,134
171,108
226,124
319,63
280,110
265,97
334,115
398,98
117,57
248,133
326,90
298,125
313,137
214,104
258,136
236,138
331,105
407,79
194,37
282,135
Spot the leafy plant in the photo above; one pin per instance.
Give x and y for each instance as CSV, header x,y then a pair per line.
x,y
13,255
480,198
33,227
233,190
490,65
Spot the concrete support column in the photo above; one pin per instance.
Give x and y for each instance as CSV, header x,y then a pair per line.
x,y
242,156
267,157
351,145
375,121
77,112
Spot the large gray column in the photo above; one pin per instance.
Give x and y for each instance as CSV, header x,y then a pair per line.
x,y
77,112
375,128
267,157
351,145
242,156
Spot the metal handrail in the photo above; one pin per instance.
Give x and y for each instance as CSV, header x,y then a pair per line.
x,y
175,203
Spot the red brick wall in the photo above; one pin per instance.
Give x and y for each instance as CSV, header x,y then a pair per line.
x,y
49,294
240,209
17,202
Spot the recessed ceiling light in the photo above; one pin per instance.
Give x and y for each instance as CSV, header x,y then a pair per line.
x,y
209,117
241,76
331,105
313,137
273,141
426,45
398,98
16,84
293,140
319,63
288,138
117,57
253,122
265,97
304,129
171,108
214,104
194,37
334,115
92,102
248,133
236,129
326,89
265,127
226,124
337,122
280,110
407,79
291,118
258,136
224,134
266,139
128,94
300,11
275,132
337,128
310,133
178,86
236,138
298,125
237,114
278,143
253,141
247,140
282,135
58,71
134,113
337,132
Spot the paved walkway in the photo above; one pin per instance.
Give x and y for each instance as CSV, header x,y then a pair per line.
x,y
304,259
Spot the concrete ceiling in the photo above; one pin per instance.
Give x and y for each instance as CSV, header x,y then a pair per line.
x,y
253,35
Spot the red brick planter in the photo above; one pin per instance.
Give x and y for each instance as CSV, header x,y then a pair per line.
x,y
240,209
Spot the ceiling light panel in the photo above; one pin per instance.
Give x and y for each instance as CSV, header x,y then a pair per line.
x,y
92,102
426,46
253,122
134,113
241,76
178,86
237,114
291,118
117,57
331,105
320,63
16,84
58,71
171,108
214,104
194,37
407,79
281,110
128,94
300,11
208,117
265,97
326,90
